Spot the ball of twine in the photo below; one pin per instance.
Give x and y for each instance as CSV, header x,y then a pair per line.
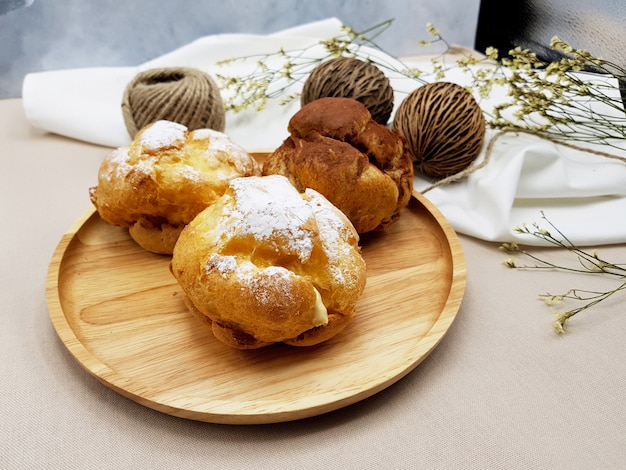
x,y
444,128
184,95
348,77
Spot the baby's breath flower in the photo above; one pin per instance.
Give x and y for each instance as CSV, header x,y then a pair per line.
x,y
470,61
509,247
552,299
558,45
412,72
438,68
510,262
520,228
559,323
491,53
432,30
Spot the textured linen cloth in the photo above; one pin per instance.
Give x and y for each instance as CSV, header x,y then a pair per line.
x,y
525,177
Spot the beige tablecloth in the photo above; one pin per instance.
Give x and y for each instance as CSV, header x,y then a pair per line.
x,y
501,390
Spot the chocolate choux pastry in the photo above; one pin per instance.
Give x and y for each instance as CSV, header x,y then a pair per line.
x,y
359,165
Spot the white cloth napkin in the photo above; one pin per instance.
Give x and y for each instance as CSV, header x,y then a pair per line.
x,y
85,104
583,194
527,178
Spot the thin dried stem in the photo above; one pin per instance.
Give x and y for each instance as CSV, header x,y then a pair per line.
x,y
587,262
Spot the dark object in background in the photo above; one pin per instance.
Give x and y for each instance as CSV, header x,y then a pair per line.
x,y
597,27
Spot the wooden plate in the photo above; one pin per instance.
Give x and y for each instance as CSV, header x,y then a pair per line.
x,y
120,313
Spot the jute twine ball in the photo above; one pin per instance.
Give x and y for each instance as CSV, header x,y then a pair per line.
x,y
444,128
184,95
348,77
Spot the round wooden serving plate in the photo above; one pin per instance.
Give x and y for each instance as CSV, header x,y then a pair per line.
x,y
120,312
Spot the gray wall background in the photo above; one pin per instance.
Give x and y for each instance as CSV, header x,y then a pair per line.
x,y
39,35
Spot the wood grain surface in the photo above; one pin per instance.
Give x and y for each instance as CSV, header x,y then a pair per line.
x,y
120,313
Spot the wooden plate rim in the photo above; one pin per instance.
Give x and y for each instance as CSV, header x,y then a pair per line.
x,y
117,382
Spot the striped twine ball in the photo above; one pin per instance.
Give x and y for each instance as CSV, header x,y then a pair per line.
x,y
184,95
349,77
444,128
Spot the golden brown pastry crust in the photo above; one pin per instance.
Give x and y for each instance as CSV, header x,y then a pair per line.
x,y
164,178
362,167
266,264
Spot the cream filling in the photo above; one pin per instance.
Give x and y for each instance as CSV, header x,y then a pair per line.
x,y
320,316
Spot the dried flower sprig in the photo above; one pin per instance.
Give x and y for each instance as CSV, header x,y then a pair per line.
x,y
264,81
553,99
587,262
546,98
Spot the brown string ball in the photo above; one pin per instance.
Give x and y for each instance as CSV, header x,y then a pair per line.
x,y
184,95
348,77
444,128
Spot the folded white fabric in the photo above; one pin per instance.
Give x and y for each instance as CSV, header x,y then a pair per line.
x,y
583,194
526,178
85,104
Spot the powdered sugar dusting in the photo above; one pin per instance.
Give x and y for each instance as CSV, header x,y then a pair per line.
x,y
278,217
271,276
162,134
335,230
224,264
271,210
142,159
145,165
221,144
189,173
119,164
211,134
116,164
254,278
